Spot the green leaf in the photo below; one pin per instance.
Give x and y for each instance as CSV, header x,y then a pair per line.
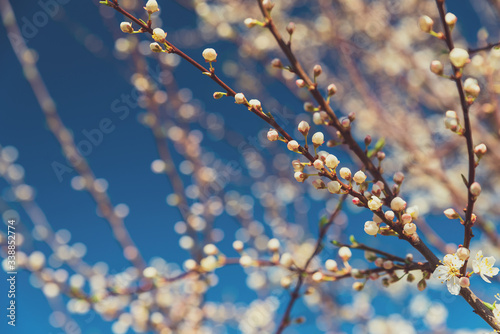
x,y
378,146
353,240
335,243
489,306
465,180
323,221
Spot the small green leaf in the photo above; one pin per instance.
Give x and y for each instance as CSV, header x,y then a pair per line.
x,y
323,221
353,240
465,180
335,243
489,306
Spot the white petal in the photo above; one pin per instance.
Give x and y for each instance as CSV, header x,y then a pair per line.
x,y
453,286
484,278
441,273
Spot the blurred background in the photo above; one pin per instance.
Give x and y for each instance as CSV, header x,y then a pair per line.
x,y
111,92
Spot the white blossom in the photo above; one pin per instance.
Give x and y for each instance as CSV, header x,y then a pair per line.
x,y
449,271
484,266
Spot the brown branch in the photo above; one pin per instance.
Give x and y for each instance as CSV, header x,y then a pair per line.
x,y
466,293
296,67
467,134
285,320
484,48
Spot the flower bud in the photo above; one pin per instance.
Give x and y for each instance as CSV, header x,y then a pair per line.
x,y
308,106
425,23
209,55
317,70
410,228
459,57
159,35
246,261
218,95
255,104
238,245
319,184
371,228
464,282
386,282
290,28
292,145
331,265
317,276
398,178
422,284
300,83
304,127
332,89
451,214
317,118
300,177
451,120
389,215
318,164
331,161
480,150
475,189
155,47
358,286
398,204
286,281
379,262
209,263
370,256
463,253
409,257
318,139
359,177
451,20
406,218
413,212
380,155
151,6
240,98
437,67
268,5
345,173
273,245
272,135
250,23
374,203
210,249
388,265
334,187
297,166
276,62
126,27
471,87
410,278
345,253
345,122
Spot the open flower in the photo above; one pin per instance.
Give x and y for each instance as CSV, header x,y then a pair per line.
x,y
449,271
484,266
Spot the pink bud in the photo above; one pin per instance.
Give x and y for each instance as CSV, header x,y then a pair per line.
x,y
272,135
